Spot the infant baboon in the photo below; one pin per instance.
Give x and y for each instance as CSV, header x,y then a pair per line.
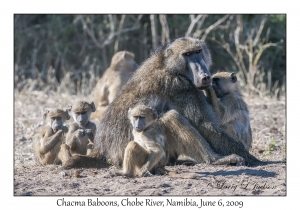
x,y
147,154
50,149
231,109
121,69
81,133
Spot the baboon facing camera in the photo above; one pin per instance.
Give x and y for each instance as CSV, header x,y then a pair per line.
x,y
231,109
81,133
50,148
148,150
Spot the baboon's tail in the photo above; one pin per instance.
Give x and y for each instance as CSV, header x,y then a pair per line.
x,y
182,175
82,161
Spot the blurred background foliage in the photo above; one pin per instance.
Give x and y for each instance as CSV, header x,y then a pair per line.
x,y
69,53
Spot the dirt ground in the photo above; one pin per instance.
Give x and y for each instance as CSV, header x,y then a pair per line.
x,y
268,121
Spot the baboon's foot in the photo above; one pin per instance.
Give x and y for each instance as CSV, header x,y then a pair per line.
x,y
119,172
233,160
161,171
144,173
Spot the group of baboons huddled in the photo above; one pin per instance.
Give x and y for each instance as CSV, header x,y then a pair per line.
x,y
168,108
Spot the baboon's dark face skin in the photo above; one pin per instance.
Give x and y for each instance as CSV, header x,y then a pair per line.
x,y
56,123
190,59
82,118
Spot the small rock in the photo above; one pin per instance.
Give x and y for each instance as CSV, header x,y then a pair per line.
x,y
62,173
22,139
165,185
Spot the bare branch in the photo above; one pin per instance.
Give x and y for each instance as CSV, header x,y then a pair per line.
x,y
193,22
214,26
261,27
165,29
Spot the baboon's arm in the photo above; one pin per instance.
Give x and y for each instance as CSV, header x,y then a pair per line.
x,y
50,140
213,100
103,95
71,136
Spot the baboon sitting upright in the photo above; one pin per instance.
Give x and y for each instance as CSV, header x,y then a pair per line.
x,y
148,150
176,71
114,78
148,153
81,133
50,149
231,109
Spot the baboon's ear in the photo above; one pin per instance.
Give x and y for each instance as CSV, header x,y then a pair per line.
x,y
67,114
126,55
93,106
168,52
46,111
69,108
233,77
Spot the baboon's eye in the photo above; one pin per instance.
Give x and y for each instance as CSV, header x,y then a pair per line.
x,y
187,54
198,51
83,112
215,79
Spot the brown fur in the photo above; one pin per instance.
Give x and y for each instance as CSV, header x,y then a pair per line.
x,y
49,148
175,72
114,78
80,137
231,109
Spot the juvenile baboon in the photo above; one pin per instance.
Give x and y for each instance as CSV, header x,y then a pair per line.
x,y
80,136
176,71
148,150
50,148
121,69
147,154
231,109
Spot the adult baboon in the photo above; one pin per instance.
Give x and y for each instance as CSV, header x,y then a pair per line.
x,y
81,133
231,109
114,78
176,71
50,149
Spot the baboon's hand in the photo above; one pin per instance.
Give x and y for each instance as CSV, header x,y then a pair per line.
x,y
89,133
143,173
64,129
80,133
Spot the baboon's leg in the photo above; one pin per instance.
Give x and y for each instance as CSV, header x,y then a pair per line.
x,y
155,155
134,158
187,141
64,153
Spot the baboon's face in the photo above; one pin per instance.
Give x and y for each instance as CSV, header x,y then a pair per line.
x,y
141,117
190,58
56,118
56,123
224,83
82,118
